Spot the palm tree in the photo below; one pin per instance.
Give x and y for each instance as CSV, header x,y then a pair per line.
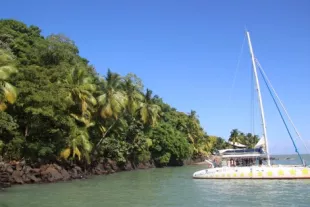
x,y
251,140
112,101
82,88
149,112
234,136
133,96
193,115
195,133
78,145
8,92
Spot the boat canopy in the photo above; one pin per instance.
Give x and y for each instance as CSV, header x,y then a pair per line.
x,y
257,151
236,144
260,143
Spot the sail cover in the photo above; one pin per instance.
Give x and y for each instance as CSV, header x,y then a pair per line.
x,y
260,143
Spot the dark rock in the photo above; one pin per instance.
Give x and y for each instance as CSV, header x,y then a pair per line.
x,y
112,165
107,166
26,178
57,167
35,171
17,173
9,169
76,172
2,166
51,174
126,166
17,177
22,163
4,179
34,179
27,169
78,168
19,167
99,169
4,176
65,174
142,166
145,165
44,167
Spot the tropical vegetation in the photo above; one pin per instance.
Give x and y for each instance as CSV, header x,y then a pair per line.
x,y
248,139
55,107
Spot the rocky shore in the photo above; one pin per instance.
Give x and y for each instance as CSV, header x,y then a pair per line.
x,y
21,173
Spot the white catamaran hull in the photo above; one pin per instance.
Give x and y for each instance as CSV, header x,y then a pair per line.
x,y
254,172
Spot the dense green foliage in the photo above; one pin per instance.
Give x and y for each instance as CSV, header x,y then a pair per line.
x,y
248,139
55,107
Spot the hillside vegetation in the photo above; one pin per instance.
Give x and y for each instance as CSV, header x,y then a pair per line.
x,y
55,107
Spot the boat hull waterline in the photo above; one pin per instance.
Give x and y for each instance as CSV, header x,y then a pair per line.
x,y
254,172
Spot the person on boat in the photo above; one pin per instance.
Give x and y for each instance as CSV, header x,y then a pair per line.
x,y
232,163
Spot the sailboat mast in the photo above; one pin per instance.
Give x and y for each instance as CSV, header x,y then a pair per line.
x,y
259,98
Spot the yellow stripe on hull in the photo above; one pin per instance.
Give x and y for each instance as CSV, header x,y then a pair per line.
x,y
274,172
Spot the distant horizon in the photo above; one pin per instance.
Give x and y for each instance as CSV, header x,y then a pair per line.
x,y
289,154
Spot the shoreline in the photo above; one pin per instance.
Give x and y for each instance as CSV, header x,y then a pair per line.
x,y
20,173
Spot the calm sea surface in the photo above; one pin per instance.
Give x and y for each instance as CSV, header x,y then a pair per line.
x,y
161,187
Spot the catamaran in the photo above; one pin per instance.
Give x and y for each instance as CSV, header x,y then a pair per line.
x,y
243,163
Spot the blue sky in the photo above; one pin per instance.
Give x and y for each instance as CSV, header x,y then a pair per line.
x,y
187,52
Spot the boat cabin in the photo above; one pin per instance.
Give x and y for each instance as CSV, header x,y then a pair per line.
x,y
244,157
241,156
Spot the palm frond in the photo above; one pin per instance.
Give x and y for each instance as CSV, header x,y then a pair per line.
x,y
83,106
102,99
3,106
139,96
89,87
102,129
6,58
9,92
65,153
6,71
91,100
77,152
85,118
106,111
144,114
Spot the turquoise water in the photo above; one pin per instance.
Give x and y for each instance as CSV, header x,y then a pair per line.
x,y
160,187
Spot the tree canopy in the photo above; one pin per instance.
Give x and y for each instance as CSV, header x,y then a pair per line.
x,y
55,107
247,139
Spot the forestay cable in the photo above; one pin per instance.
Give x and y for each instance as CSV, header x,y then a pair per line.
x,y
289,118
296,150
